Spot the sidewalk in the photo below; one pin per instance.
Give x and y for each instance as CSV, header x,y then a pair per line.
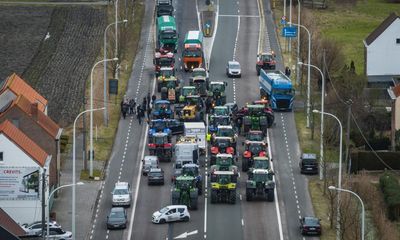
x,y
86,195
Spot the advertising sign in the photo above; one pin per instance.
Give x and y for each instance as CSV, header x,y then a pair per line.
x,y
19,183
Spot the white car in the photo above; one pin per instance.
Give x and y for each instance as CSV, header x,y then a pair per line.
x,y
233,69
121,195
57,234
171,213
35,228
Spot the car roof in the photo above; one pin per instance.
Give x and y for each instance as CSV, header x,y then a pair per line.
x,y
225,126
150,158
233,63
190,165
309,156
121,185
117,209
156,170
176,206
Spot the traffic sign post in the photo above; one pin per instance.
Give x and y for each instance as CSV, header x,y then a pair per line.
x,y
289,32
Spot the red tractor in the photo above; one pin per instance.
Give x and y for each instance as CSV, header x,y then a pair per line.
x,y
221,145
253,149
163,59
265,61
160,146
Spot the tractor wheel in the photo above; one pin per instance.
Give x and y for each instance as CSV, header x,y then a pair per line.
x,y
193,203
214,196
271,195
249,195
245,165
200,188
232,197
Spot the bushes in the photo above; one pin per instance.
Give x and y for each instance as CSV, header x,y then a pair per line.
x,y
391,192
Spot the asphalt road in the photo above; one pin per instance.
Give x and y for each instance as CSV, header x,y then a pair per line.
x,y
244,220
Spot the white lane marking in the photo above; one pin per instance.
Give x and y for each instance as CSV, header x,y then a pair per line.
x,y
139,175
205,209
242,222
278,213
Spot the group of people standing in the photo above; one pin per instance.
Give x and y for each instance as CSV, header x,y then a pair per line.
x,y
128,106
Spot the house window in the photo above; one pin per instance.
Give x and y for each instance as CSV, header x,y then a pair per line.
x,y
1,157
398,40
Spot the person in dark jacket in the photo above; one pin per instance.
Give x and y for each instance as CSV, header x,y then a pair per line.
x,y
148,113
148,100
153,98
132,105
138,113
125,109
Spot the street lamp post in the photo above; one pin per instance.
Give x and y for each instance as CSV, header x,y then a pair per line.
x,y
116,36
73,168
105,71
362,207
340,171
91,114
298,43
308,72
48,200
321,169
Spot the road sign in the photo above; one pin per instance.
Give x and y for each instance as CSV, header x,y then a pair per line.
x,y
283,20
289,32
186,234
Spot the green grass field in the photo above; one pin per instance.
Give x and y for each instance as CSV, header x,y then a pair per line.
x,y
349,25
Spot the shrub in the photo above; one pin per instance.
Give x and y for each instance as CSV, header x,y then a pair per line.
x,y
391,192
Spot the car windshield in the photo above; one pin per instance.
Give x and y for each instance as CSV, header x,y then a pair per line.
x,y
234,66
261,177
222,143
155,174
263,164
159,125
120,191
224,179
159,140
283,91
188,91
198,73
220,120
225,132
266,58
221,111
311,221
255,137
170,34
192,171
116,214
216,87
167,73
192,53
164,210
165,61
256,148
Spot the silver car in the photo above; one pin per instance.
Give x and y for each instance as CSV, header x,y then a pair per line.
x,y
233,69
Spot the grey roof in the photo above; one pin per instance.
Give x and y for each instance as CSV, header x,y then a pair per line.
x,y
381,28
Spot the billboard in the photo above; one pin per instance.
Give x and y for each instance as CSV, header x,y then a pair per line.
x,y
19,183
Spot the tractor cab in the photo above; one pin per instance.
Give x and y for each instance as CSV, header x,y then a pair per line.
x,y
163,59
265,61
160,146
162,109
159,125
217,120
221,111
255,136
224,162
255,148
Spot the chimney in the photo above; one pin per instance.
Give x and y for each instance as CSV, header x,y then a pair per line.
x,y
34,111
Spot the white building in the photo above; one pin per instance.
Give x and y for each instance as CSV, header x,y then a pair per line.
x,y
22,163
382,51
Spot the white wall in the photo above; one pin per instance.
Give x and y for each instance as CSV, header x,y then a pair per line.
x,y
22,211
13,155
383,54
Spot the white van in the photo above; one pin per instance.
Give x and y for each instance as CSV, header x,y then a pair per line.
x,y
149,162
197,130
171,213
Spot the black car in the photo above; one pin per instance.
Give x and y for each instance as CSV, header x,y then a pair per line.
x,y
155,176
310,225
308,163
117,218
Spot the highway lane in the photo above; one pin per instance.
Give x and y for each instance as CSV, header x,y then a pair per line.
x,y
123,161
260,217
152,198
292,186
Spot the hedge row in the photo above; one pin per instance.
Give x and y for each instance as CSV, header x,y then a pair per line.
x,y
391,192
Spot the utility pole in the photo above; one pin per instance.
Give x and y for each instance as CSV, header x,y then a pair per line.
x,y
349,103
84,136
44,202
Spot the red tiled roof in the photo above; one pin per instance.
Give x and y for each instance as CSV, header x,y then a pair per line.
x,y
381,28
25,143
42,119
20,87
396,90
9,224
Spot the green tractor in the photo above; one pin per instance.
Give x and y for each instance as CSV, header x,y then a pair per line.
x,y
187,91
259,163
260,184
185,191
225,162
223,187
216,93
255,119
